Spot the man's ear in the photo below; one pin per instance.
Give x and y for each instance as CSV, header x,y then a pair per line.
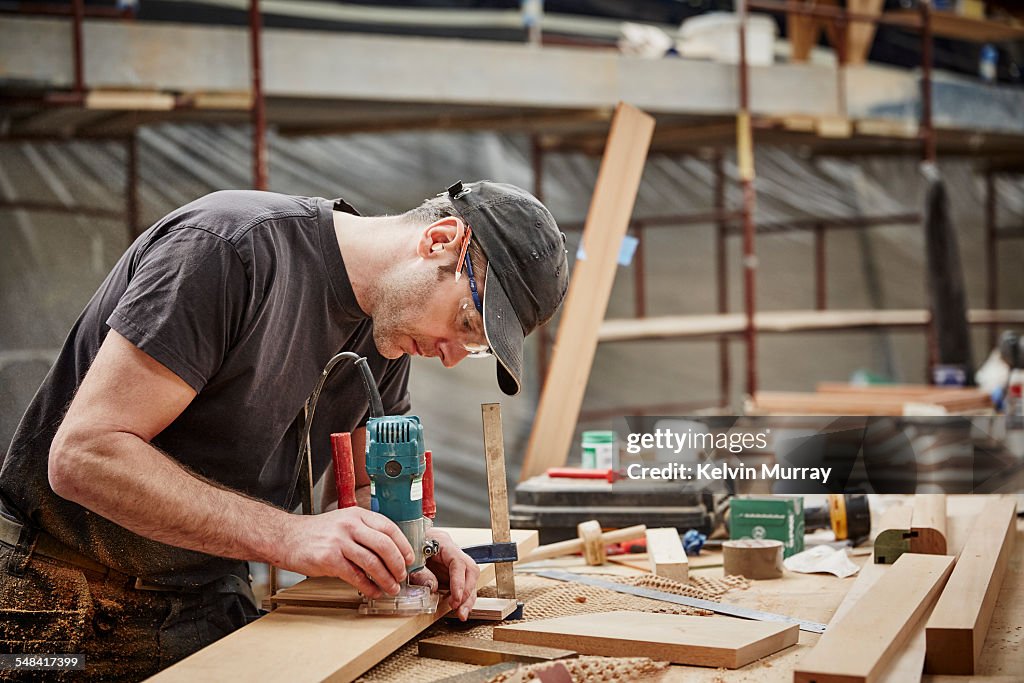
x,y
441,237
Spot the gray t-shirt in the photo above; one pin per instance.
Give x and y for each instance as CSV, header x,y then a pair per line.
x,y
244,296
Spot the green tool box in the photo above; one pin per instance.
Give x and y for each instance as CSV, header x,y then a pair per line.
x,y
777,517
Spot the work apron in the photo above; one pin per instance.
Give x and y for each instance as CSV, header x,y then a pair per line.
x,y
54,600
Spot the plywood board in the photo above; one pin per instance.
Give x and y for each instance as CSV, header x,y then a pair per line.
x,y
677,638
459,648
957,627
666,556
860,645
317,644
589,288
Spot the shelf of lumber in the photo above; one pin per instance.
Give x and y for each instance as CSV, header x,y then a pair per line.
x,y
316,644
957,26
715,325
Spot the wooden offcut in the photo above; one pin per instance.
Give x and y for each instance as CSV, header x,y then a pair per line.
x,y
459,648
753,558
493,609
320,591
928,524
589,288
329,643
956,629
666,555
677,638
858,648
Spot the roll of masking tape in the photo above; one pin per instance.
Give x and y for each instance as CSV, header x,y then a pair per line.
x,y
753,558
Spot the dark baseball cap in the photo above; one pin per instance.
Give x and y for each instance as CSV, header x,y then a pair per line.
x,y
527,270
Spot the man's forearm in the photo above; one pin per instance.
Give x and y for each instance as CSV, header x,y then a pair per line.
x,y
130,482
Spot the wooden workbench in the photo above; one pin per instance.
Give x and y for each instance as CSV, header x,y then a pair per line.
x,y
816,597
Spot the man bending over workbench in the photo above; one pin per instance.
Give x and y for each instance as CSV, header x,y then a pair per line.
x,y
157,457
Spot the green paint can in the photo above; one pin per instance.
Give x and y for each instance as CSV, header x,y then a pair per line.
x,y
598,449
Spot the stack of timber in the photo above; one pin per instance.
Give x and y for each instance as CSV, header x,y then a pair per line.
x,y
834,398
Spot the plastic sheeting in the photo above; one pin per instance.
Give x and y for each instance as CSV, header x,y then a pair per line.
x,y
50,263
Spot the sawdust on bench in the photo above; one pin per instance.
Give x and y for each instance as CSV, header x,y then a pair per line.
x,y
545,599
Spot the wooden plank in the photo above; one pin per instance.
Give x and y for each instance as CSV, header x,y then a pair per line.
x,y
317,644
957,627
908,663
497,494
958,26
909,391
666,555
858,647
860,34
714,325
618,181
129,100
807,403
459,648
677,638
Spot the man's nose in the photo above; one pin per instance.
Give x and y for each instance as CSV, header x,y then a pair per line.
x,y
454,352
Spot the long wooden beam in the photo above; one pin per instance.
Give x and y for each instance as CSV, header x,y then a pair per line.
x,y
860,646
712,325
957,627
319,644
618,181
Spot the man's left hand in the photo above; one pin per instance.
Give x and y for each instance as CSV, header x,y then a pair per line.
x,y
453,567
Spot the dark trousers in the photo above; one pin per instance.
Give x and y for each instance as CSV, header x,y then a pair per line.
x,y
49,607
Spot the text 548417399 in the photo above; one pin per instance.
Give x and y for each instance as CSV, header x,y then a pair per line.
x,y
27,662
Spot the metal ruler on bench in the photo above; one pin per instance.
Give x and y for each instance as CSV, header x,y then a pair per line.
x,y
720,608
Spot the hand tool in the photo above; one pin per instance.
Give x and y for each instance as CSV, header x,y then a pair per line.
x,y
609,475
575,545
396,463
731,610
847,514
497,496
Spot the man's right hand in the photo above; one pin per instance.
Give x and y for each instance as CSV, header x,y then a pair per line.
x,y
364,548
